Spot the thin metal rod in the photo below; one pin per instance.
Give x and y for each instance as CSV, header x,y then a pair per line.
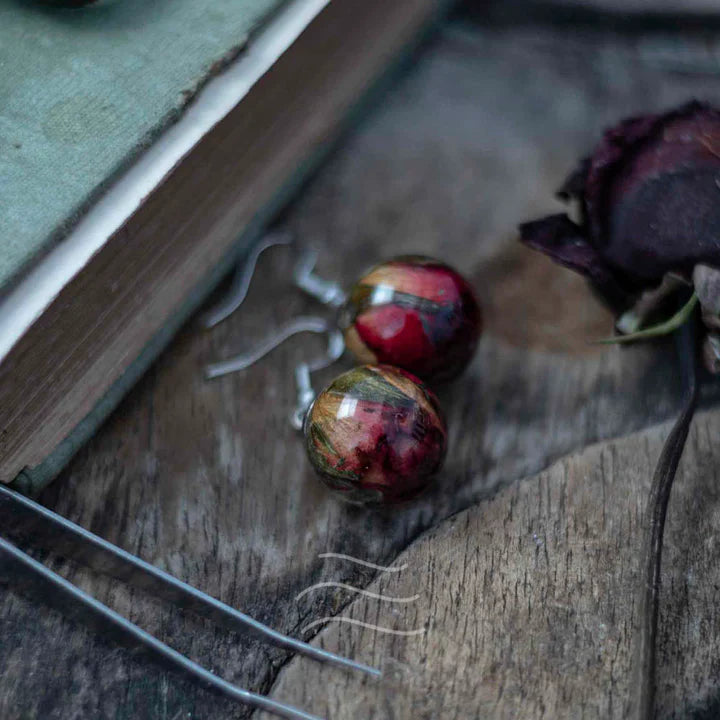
x,y
318,325
65,592
241,281
29,520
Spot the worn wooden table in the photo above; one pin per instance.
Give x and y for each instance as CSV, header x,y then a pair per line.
x,y
524,556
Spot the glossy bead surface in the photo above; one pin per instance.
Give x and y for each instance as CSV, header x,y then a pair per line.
x,y
376,435
415,313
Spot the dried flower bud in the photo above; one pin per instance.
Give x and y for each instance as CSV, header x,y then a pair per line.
x,y
650,212
650,204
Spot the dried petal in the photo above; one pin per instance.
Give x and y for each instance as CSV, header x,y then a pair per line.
x,y
560,238
650,202
707,286
711,353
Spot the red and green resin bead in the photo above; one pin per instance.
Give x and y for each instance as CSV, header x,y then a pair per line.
x,y
415,313
376,435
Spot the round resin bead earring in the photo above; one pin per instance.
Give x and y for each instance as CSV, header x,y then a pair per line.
x,y
376,434
412,312
416,313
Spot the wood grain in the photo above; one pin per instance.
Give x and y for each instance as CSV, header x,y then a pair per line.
x,y
527,600
209,481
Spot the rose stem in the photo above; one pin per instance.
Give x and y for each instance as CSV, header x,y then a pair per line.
x,y
663,328
651,554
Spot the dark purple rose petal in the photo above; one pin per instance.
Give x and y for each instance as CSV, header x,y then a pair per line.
x,y
561,239
650,203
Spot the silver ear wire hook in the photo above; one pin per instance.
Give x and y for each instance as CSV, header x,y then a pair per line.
x,y
241,281
327,292
305,392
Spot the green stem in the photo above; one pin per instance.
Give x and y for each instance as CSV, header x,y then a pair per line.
x,y
663,328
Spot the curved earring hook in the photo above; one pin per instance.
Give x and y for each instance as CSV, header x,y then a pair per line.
x,y
336,346
241,281
327,292
305,392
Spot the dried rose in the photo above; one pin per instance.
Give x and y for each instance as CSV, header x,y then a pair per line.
x,y
649,202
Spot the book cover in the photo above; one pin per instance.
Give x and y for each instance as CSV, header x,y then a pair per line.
x,y
84,91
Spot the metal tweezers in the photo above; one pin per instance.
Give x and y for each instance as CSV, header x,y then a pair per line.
x,y
24,519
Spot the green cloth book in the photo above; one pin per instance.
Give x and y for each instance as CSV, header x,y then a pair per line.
x,y
143,145
83,92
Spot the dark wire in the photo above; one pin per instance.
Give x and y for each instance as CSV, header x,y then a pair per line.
x,y
651,557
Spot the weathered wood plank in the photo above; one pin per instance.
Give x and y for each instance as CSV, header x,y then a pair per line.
x,y
209,481
527,600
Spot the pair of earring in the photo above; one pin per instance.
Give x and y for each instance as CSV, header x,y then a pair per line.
x,y
376,434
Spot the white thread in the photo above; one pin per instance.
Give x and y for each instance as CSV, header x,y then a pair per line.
x,y
382,568
369,626
360,591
